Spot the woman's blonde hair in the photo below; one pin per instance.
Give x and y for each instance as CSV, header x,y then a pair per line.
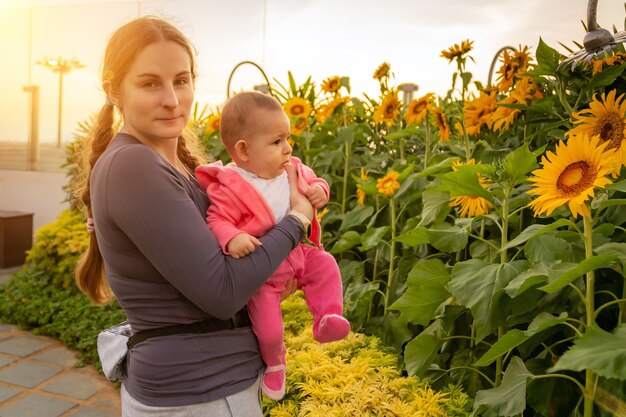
x,y
124,45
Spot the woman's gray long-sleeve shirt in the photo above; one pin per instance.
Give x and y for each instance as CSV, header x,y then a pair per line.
x,y
165,268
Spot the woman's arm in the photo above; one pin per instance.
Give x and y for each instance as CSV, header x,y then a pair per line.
x,y
149,203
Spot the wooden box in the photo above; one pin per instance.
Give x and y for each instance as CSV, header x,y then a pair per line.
x,y
16,237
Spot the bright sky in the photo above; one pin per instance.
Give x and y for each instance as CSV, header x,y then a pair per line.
x,y
320,38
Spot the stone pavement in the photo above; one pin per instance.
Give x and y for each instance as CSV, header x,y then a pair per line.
x,y
38,378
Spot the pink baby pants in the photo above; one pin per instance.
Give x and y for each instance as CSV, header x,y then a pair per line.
x,y
318,277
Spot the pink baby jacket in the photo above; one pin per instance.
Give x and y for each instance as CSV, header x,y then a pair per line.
x,y
237,206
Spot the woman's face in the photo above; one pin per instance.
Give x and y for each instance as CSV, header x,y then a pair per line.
x,y
157,93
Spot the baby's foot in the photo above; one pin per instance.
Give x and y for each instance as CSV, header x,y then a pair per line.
x,y
332,327
273,384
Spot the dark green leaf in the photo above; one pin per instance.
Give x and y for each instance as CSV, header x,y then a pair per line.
x,y
607,76
480,287
348,240
518,164
373,236
535,230
436,206
404,133
548,248
598,350
356,216
564,273
515,337
414,237
447,238
509,399
421,352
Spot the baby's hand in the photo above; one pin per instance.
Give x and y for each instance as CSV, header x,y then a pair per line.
x,y
317,196
242,244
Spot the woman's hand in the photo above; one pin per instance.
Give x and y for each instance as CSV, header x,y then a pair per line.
x,y
299,202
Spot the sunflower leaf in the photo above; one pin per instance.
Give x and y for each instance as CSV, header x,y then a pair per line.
x,y
547,58
420,352
518,164
509,398
348,240
372,237
414,237
606,77
598,350
565,273
516,337
535,230
436,206
448,238
480,286
404,133
618,186
425,291
356,216
465,181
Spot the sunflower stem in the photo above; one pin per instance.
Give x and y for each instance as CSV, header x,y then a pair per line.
x,y
622,310
563,98
590,377
504,240
427,147
392,253
346,173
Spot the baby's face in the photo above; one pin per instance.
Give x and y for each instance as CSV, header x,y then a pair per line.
x,y
268,145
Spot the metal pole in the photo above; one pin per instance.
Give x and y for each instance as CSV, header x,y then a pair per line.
x,y
494,60
592,13
254,64
60,106
33,134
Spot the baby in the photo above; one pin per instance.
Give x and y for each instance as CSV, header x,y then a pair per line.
x,y
251,194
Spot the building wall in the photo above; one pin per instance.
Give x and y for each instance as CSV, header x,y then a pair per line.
x,y
40,193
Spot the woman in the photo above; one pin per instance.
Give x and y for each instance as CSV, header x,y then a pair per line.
x,y
150,237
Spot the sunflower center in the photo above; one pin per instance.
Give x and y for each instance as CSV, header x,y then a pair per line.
x,y
575,178
390,109
610,128
297,109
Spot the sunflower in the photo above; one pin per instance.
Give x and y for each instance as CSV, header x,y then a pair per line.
x,y
441,121
297,107
605,118
212,124
321,214
478,112
418,109
325,111
298,127
513,65
331,84
389,109
382,71
360,194
388,184
471,206
570,174
598,64
457,51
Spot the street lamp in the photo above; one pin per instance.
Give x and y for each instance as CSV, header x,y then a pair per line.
x,y
62,66
596,41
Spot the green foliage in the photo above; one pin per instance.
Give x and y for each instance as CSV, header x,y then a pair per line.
x,y
58,245
30,301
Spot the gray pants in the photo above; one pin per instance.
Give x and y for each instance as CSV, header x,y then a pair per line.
x,y
246,403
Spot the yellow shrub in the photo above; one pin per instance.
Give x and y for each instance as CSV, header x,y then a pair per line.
x,y
356,376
